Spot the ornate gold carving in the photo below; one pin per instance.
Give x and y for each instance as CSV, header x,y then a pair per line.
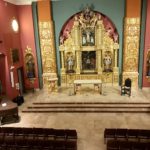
x,y
28,50
48,55
131,47
47,50
50,80
115,78
89,26
132,26
69,78
107,77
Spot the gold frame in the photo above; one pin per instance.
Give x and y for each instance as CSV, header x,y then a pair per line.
x,y
14,55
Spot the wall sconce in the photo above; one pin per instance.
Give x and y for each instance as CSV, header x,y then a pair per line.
x,y
14,24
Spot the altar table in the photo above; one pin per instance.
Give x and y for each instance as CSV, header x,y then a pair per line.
x,y
78,83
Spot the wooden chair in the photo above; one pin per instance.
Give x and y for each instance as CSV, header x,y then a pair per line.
x,y
121,134
109,134
126,88
132,134
125,145
144,135
71,135
113,145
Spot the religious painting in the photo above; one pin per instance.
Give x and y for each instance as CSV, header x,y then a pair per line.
x,y
148,64
15,55
88,60
70,63
88,37
30,66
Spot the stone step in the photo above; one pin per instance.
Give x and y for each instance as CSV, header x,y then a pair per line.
x,y
74,104
85,111
87,107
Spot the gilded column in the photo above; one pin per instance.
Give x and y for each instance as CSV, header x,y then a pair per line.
x,y
115,58
116,47
62,63
46,31
115,68
99,43
131,48
99,32
78,58
131,41
99,61
76,34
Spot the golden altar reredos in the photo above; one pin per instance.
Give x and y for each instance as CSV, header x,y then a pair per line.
x,y
89,48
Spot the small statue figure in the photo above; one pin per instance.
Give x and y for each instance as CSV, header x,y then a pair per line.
x,y
30,67
88,34
70,64
93,20
88,63
107,63
82,21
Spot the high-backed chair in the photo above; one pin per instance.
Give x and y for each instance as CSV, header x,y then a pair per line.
x,y
126,88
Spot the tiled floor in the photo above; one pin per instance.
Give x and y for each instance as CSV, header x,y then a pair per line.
x,y
90,126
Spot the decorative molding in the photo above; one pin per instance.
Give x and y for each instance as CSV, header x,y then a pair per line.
x,y
23,2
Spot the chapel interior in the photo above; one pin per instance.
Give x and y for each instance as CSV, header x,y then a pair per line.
x,y
76,65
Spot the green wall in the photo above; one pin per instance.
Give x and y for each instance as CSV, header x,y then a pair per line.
x,y
113,9
37,43
141,52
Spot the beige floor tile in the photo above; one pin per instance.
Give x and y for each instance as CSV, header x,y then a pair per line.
x,y
90,126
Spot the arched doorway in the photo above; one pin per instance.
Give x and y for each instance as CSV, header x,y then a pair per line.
x,y
2,75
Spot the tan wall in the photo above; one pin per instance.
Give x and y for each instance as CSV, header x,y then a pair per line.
x,y
44,8
133,8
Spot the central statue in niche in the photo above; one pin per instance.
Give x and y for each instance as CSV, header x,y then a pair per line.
x,y
88,47
88,20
